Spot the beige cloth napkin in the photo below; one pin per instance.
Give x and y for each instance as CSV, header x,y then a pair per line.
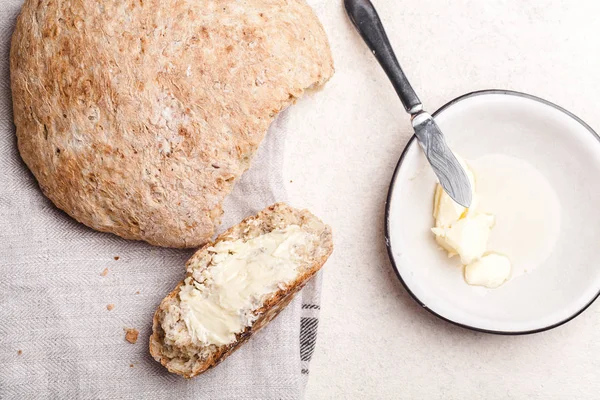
x,y
58,340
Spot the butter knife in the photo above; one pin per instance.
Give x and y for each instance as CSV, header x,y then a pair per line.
x,y
444,163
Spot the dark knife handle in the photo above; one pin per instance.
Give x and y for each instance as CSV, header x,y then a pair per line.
x,y
364,17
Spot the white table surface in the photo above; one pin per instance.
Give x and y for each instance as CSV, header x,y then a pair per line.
x,y
374,341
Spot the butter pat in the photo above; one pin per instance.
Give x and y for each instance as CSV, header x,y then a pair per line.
x,y
466,232
445,210
239,277
466,237
457,229
490,271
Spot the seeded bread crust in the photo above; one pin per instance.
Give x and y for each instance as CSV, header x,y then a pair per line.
x,y
137,117
171,343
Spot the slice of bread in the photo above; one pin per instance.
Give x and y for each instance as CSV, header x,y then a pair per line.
x,y
180,349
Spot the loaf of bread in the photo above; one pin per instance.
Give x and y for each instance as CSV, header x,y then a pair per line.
x,y
137,117
236,285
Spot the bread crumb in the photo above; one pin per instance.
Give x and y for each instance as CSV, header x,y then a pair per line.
x,y
110,307
117,258
131,335
105,272
20,352
130,365
290,181
138,292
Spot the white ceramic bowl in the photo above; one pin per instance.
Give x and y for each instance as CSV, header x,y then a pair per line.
x,y
567,152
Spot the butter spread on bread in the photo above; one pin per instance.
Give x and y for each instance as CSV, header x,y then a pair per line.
x,y
240,274
236,285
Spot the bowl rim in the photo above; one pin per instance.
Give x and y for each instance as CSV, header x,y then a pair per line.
x,y
388,243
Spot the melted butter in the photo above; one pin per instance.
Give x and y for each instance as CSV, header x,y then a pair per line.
x,y
527,209
241,274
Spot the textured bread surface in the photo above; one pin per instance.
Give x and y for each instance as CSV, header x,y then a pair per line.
x,y
137,117
171,343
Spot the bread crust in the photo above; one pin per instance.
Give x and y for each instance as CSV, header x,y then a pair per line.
x,y
137,118
276,216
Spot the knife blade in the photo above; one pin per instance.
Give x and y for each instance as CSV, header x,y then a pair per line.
x,y
444,163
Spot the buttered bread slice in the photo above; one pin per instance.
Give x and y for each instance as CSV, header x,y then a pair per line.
x,y
236,285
